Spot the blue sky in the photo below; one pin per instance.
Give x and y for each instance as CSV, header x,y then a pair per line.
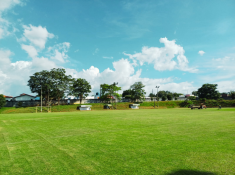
x,y
178,45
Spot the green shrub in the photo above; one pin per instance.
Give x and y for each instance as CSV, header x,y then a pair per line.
x,y
2,101
164,98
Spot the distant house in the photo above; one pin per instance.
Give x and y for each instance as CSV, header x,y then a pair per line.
x,y
24,97
8,98
224,95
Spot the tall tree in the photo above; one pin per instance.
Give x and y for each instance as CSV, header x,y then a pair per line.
x,y
53,84
2,100
109,91
80,88
232,94
137,91
41,82
61,82
208,91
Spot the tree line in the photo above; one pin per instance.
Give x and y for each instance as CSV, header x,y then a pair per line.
x,y
55,85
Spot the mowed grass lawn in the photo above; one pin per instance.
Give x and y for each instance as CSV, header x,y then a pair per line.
x,y
164,142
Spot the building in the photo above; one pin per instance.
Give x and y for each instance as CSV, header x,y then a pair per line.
x,y
8,98
24,97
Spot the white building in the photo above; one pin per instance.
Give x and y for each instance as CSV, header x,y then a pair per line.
x,y
24,97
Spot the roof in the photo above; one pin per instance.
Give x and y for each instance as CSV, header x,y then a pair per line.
x,y
7,96
25,95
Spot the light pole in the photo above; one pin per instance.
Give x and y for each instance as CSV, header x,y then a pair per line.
x,y
41,97
157,97
115,98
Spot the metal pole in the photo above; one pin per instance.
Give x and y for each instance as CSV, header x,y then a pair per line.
x,y
41,98
154,102
157,97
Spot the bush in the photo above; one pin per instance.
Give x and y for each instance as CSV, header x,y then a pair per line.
x,y
2,101
192,98
164,98
186,103
169,97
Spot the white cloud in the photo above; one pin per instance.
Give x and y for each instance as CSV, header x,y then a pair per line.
x,y
15,75
32,52
36,35
4,24
226,63
108,57
201,52
58,52
164,58
7,4
125,75
226,86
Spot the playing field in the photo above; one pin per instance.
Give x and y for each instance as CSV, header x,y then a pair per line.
x,y
162,142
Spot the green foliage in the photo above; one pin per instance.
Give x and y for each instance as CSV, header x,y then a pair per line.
x,y
128,96
186,103
195,93
19,104
53,84
216,103
232,94
152,95
192,98
126,92
80,88
2,101
161,94
137,91
163,98
109,91
208,91
169,96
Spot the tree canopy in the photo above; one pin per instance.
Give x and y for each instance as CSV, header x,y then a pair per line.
x,y
80,88
2,100
109,91
208,91
232,94
137,91
54,84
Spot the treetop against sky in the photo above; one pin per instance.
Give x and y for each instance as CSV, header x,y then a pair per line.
x,y
176,45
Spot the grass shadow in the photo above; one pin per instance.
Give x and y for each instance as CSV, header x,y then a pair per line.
x,y
190,172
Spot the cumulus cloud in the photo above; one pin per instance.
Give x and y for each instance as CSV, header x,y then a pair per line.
x,y
58,52
5,24
226,86
32,52
201,52
37,36
169,57
7,4
16,74
124,73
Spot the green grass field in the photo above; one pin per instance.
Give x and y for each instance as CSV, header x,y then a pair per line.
x,y
162,142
